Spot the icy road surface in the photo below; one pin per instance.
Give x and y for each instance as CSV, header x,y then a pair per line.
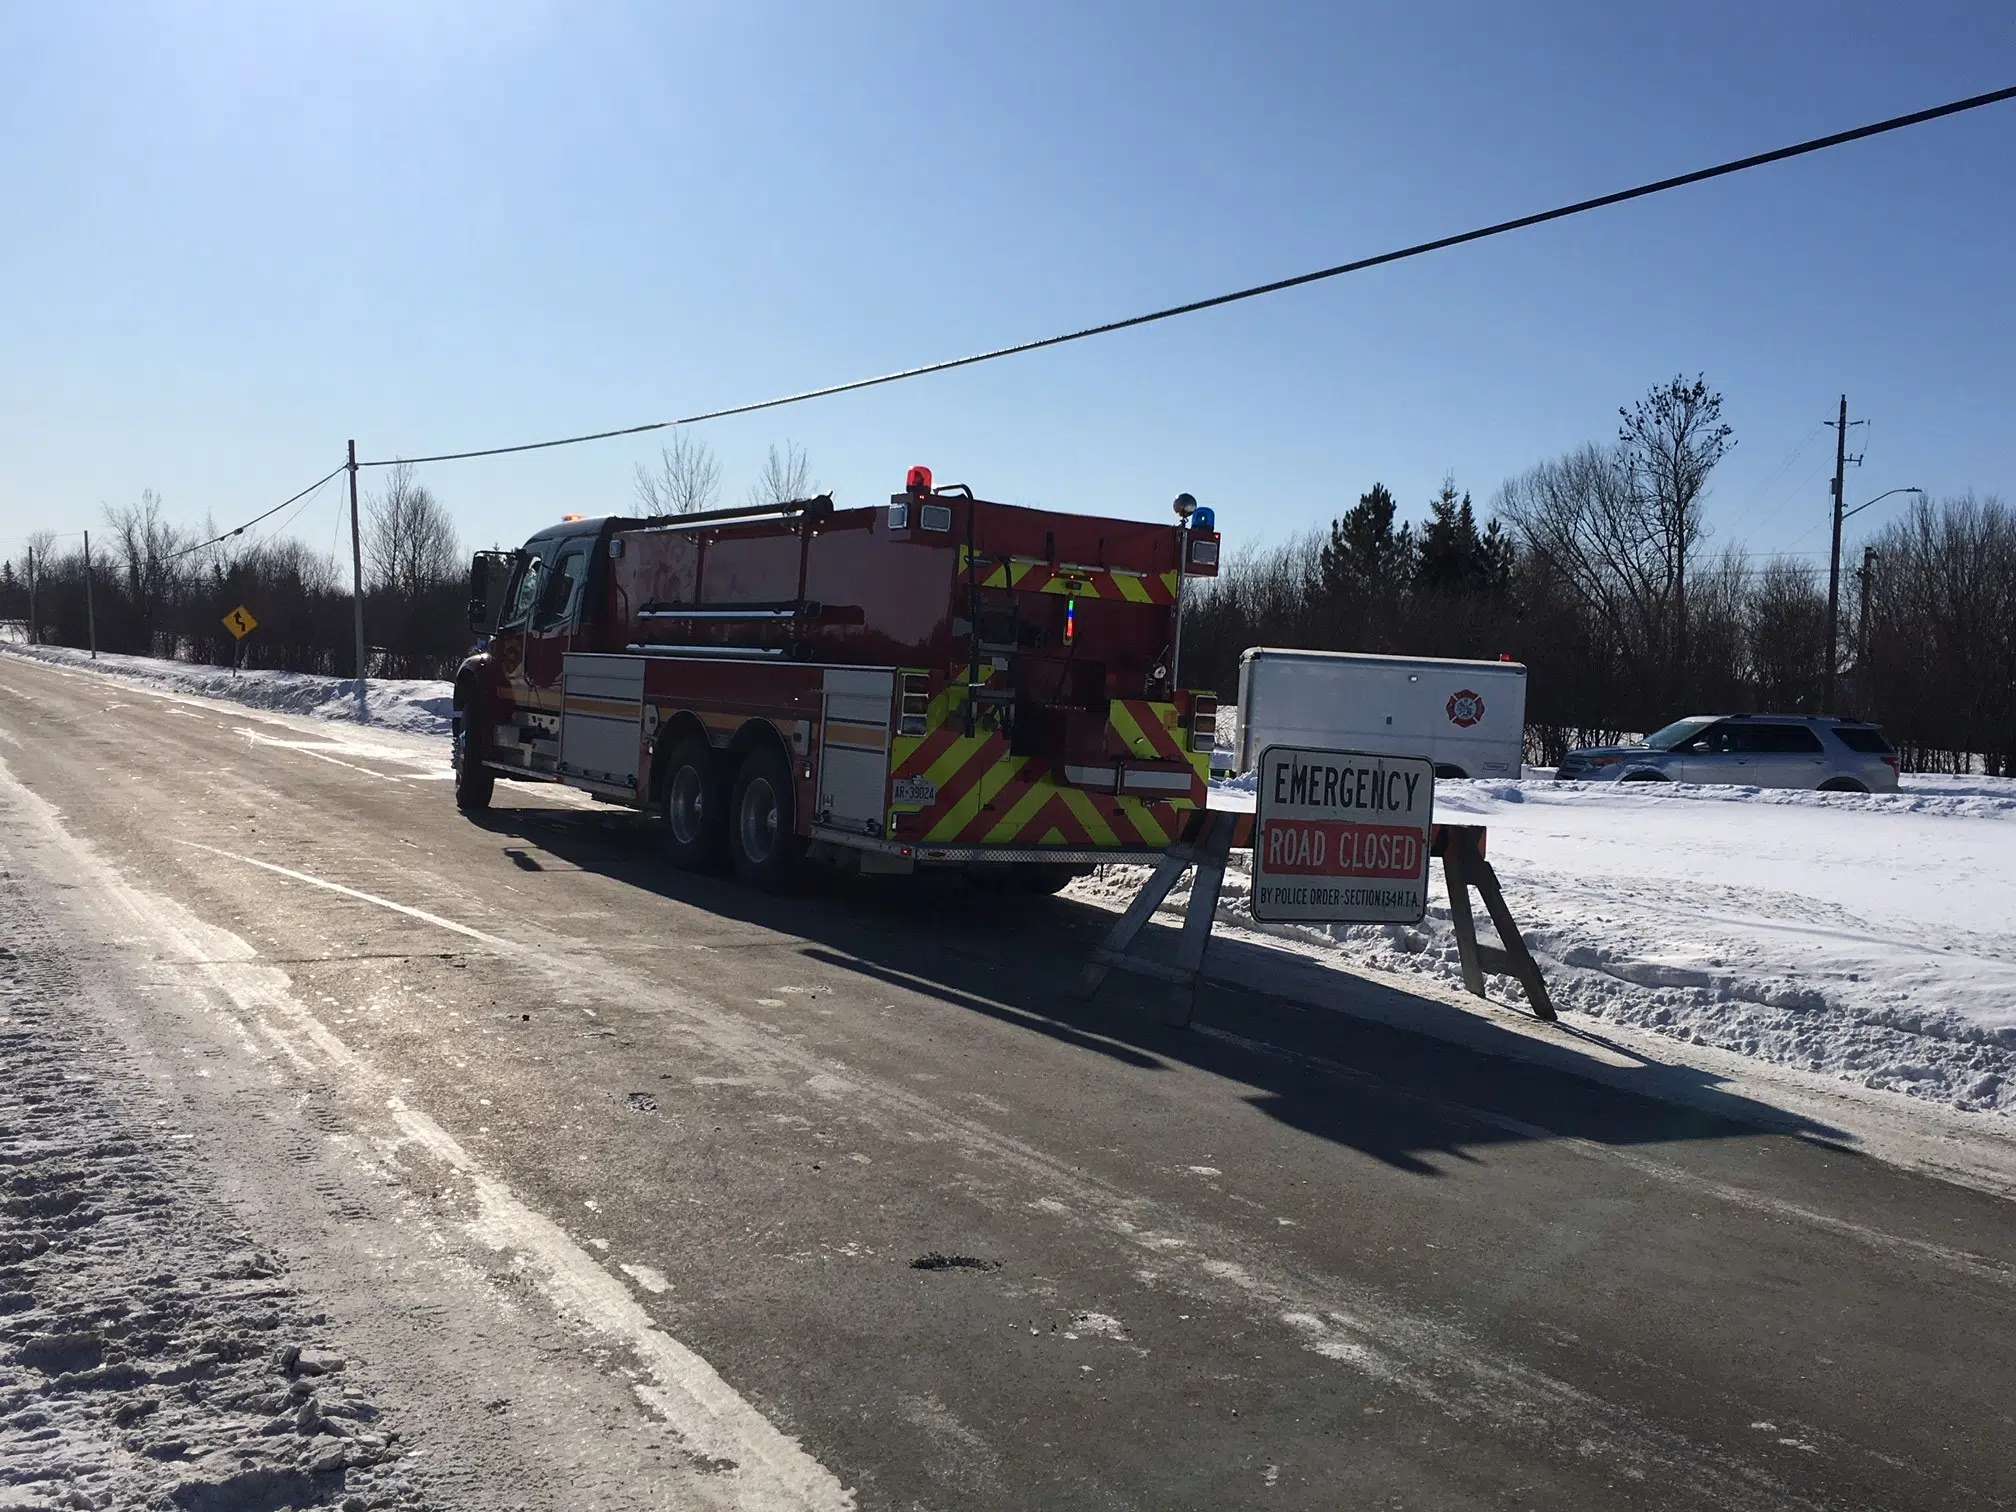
x,y
618,1187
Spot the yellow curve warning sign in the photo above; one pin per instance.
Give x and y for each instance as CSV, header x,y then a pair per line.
x,y
240,622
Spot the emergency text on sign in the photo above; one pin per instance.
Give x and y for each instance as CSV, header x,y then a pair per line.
x,y
1321,785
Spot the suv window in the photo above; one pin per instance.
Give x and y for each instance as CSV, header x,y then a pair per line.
x,y
1782,738
1866,739
1733,738
1724,740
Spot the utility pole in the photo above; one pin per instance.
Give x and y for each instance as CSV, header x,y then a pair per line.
x,y
1841,461
357,585
34,639
90,608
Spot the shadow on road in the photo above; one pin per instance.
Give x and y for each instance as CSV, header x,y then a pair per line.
x,y
1401,1076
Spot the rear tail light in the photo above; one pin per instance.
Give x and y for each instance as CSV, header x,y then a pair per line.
x,y
1893,763
1204,724
916,704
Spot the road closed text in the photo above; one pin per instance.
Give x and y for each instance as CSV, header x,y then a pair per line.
x,y
1333,848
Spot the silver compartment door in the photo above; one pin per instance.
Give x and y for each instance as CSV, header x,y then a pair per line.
x,y
602,717
854,749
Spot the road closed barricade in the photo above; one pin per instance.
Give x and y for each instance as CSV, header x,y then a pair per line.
x,y
1338,837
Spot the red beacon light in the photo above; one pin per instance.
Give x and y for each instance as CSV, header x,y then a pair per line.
x,y
571,518
918,481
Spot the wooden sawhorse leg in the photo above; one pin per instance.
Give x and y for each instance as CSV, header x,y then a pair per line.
x,y
1464,867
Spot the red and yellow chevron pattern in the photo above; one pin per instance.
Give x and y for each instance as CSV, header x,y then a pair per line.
x,y
984,794
1033,575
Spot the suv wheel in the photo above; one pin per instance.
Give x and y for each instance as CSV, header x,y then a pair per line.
x,y
1842,785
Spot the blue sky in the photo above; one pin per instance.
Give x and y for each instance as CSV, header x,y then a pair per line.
x,y
237,234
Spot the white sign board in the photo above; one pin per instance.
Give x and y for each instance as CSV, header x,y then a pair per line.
x,y
1341,837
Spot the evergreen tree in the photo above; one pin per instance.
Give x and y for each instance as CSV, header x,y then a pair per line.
x,y
1454,556
1365,554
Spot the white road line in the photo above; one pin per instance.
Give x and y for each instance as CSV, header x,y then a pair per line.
x,y
255,738
494,941
762,1469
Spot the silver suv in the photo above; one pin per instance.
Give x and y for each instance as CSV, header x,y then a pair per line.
x,y
1754,750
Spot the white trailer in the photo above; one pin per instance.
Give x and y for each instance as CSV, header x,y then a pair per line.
x,y
1467,717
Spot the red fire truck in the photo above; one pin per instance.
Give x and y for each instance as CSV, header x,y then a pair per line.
x,y
941,682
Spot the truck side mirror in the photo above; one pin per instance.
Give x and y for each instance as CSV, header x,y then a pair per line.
x,y
489,573
479,594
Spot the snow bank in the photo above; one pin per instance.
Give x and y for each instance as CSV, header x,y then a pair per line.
x,y
1864,936
416,707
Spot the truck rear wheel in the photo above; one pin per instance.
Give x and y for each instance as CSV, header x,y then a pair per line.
x,y
694,803
474,782
763,837
1034,879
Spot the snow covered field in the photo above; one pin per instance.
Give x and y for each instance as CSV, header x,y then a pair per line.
x,y
1870,937
1866,937
416,707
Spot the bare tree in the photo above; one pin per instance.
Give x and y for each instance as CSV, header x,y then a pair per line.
x,y
145,545
786,475
687,479
411,543
1785,626
1669,442
1601,537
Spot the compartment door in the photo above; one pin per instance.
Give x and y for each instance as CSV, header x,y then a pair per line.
x,y
602,717
854,749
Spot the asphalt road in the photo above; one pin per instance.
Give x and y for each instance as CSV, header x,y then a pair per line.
x,y
608,1167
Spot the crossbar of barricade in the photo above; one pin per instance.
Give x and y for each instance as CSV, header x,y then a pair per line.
x,y
1206,846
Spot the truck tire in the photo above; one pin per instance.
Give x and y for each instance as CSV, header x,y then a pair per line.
x,y
474,782
1031,879
1043,879
763,839
693,801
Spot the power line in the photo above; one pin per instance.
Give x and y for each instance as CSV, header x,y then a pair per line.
x,y
1419,249
306,499
241,529
1749,505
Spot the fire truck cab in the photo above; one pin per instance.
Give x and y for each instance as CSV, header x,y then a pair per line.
x,y
943,681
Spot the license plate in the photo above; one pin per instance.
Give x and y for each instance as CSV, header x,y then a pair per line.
x,y
913,790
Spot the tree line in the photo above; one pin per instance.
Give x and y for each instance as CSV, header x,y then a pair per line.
x,y
1592,570
157,588
161,589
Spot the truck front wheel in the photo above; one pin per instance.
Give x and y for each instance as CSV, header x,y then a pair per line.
x,y
474,782
694,802
763,837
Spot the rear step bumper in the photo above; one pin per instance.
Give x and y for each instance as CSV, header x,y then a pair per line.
x,y
1005,854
